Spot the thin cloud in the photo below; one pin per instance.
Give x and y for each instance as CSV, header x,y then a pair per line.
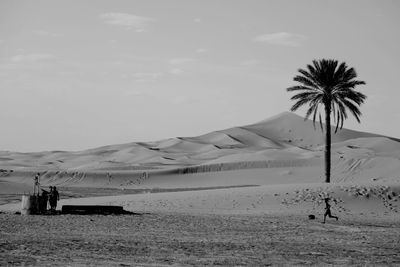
x,y
127,20
281,38
177,64
134,93
201,50
176,71
250,62
179,100
146,77
180,60
46,33
31,57
151,75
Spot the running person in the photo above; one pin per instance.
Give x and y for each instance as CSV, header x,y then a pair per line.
x,y
328,210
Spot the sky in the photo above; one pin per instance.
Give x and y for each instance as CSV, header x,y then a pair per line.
x,y
81,74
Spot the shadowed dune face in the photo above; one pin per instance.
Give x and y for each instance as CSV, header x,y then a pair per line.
x,y
284,141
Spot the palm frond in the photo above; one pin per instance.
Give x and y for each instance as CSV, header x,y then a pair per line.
x,y
343,113
305,95
310,78
350,74
338,120
306,81
352,108
312,110
320,123
326,82
354,96
299,87
340,71
298,104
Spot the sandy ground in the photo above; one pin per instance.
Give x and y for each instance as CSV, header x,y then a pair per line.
x,y
240,196
240,226
372,200
187,239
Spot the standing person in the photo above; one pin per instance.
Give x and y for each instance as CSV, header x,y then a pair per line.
x,y
36,185
54,197
51,197
43,201
328,210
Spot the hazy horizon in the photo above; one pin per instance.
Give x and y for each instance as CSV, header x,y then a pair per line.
x,y
78,75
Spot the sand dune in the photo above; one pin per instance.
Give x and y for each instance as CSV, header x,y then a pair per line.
x,y
284,136
276,155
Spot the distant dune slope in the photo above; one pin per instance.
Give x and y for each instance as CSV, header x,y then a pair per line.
x,y
283,141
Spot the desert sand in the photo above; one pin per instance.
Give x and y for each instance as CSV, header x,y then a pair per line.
x,y
268,171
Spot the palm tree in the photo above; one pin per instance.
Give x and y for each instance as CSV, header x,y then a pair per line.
x,y
330,85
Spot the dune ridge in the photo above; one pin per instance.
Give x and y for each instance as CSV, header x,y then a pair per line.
x,y
285,136
282,158
284,146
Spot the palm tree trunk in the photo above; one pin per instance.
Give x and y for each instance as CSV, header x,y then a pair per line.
x,y
328,142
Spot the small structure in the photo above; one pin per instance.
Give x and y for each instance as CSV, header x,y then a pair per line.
x,y
36,203
93,209
29,205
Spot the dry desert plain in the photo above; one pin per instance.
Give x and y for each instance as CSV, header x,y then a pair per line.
x,y
234,197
